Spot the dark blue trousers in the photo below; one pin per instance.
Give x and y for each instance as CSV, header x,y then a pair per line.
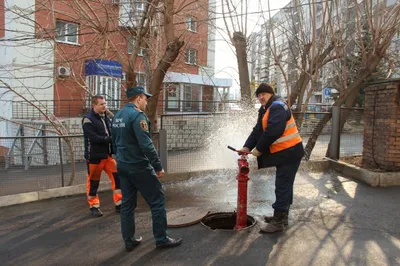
x,y
144,180
285,174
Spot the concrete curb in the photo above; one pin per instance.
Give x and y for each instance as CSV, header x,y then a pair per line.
x,y
49,194
20,198
374,179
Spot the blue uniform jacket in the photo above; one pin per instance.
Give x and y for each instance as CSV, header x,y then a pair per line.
x,y
97,141
278,116
132,139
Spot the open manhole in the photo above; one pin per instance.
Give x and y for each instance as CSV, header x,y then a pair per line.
x,y
225,221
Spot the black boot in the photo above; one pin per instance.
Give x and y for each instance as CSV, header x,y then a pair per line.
x,y
268,219
96,212
130,245
170,243
276,223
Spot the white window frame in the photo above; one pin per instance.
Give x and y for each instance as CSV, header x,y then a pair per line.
x,y
191,56
106,86
139,76
187,98
131,45
191,24
173,96
68,36
139,5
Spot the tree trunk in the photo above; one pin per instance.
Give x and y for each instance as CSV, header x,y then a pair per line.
x,y
239,41
372,63
171,53
301,85
315,134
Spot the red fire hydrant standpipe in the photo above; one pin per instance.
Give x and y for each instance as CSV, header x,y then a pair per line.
x,y
242,178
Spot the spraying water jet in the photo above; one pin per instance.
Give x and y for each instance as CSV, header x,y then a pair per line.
x,y
226,220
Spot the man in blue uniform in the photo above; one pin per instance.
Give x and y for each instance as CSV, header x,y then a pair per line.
x,y
139,169
275,141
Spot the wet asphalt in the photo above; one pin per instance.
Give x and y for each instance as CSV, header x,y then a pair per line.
x,y
333,221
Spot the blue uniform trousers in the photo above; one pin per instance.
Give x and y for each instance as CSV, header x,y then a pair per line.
x,y
143,179
285,174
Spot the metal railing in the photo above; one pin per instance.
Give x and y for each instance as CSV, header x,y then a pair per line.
x,y
32,163
352,134
186,143
79,107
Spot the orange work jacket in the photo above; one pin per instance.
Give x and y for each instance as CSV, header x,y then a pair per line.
x,y
290,136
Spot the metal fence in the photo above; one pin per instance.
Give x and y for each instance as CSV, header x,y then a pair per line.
x,y
198,141
79,107
33,163
351,137
193,142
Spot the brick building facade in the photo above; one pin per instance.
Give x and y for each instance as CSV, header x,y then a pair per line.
x,y
73,47
381,147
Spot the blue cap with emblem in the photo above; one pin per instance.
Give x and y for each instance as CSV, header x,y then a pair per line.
x,y
136,91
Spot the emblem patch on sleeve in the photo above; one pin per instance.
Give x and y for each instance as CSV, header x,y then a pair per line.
x,y
143,125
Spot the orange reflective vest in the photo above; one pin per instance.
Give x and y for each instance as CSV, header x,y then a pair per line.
x,y
290,136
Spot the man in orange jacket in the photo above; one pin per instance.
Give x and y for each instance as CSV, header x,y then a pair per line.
x,y
275,141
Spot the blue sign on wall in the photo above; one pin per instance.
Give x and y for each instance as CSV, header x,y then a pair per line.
x,y
328,92
102,67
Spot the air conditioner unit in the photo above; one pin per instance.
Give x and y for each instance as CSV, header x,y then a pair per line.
x,y
63,71
115,2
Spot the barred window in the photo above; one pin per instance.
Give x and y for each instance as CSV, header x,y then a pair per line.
x,y
109,87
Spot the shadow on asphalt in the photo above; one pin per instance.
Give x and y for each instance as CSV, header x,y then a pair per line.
x,y
333,221
356,219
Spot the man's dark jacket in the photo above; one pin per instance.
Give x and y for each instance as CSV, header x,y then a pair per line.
x,y
278,116
97,141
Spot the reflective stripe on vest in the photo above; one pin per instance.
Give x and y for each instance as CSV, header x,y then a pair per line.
x,y
290,136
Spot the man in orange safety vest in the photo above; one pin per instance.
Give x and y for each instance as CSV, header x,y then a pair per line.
x,y
276,141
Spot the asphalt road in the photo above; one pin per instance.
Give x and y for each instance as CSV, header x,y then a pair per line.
x,y
333,221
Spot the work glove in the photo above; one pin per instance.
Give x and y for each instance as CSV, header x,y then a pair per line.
x,y
244,149
255,152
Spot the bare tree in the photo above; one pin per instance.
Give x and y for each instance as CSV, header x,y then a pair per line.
x,y
308,39
299,49
235,19
58,126
382,24
150,28
75,31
